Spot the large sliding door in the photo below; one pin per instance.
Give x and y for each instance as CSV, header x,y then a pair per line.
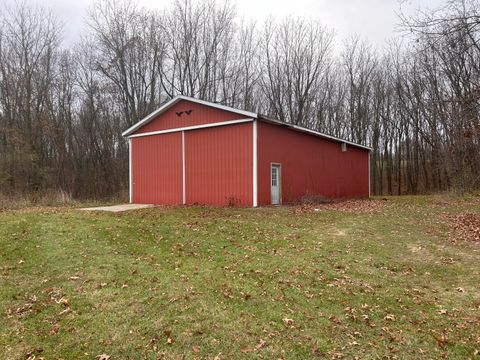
x,y
157,169
219,165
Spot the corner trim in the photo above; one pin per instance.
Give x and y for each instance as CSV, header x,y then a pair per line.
x,y
369,175
184,193
130,173
255,162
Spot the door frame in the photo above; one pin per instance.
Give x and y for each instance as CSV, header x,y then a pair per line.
x,y
279,179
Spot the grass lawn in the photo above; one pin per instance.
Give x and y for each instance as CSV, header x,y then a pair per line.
x,y
271,283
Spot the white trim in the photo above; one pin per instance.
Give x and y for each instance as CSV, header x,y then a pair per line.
x,y
184,194
255,176
176,99
187,128
313,132
369,184
218,106
296,127
247,114
130,185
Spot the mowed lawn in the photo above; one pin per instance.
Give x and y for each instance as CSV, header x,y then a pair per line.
x,y
375,279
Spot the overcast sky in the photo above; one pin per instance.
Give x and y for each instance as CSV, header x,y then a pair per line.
x,y
374,20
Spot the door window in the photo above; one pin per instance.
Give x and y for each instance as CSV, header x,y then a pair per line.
x,y
274,176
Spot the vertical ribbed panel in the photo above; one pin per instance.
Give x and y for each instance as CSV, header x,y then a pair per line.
x,y
219,165
157,169
200,115
310,165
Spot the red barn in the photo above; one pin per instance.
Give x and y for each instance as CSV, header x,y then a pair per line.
x,y
191,151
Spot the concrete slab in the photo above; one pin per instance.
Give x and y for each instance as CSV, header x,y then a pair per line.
x,y
119,208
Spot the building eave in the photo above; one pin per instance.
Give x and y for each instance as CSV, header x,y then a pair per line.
x,y
309,131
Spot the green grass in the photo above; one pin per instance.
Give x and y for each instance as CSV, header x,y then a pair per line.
x,y
271,283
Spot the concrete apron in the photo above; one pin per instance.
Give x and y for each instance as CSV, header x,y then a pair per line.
x,y
119,208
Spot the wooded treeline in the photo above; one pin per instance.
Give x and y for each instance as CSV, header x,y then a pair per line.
x,y
62,109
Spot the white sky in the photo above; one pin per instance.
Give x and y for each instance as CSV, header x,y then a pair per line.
x,y
374,20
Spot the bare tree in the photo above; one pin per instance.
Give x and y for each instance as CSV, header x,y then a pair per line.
x,y
130,50
29,47
198,39
296,55
62,111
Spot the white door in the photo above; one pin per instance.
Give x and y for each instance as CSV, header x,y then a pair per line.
x,y
275,182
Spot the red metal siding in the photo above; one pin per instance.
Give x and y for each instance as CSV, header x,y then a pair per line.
x,y
219,161
219,165
201,114
309,165
157,169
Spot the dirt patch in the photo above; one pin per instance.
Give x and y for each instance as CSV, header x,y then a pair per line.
x,y
465,227
363,206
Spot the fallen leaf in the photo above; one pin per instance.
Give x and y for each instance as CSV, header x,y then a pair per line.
x,y
55,329
63,312
103,357
390,317
314,350
335,319
63,301
261,344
